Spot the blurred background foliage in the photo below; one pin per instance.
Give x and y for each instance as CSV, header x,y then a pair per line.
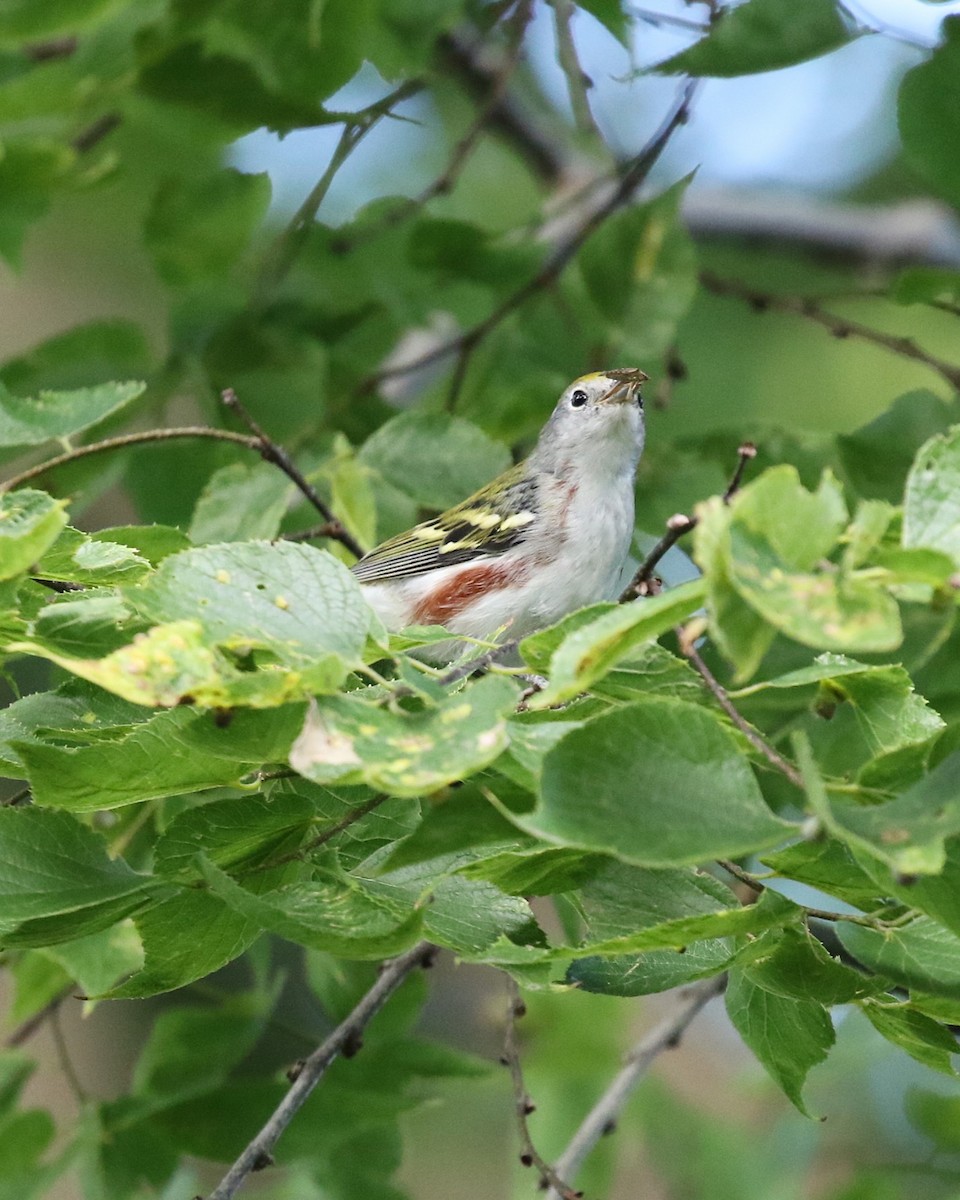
x,y
161,218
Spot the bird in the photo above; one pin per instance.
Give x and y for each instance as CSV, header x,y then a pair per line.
x,y
548,536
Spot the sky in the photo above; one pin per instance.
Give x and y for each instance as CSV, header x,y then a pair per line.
x,y
819,126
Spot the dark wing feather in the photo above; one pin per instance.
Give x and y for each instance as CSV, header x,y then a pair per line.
x,y
484,525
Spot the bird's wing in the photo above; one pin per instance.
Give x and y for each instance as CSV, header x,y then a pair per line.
x,y
484,525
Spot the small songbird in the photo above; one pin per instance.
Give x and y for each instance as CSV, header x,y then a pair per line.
x,y
548,536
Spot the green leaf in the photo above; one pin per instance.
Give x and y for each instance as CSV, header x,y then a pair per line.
x,y
787,1036
777,532
22,20
827,865
936,1116
76,557
434,458
657,783
241,503
920,955
640,271
792,963
925,285
30,172
98,960
185,938
52,867
923,1038
333,913
405,753
740,633
241,831
197,228
297,603
176,751
889,713
90,353
762,35
468,916
29,523
626,904
908,833
192,1050
59,415
610,14
931,514
928,114
593,649
877,457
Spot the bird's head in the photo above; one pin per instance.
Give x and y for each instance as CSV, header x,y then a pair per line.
x,y
598,422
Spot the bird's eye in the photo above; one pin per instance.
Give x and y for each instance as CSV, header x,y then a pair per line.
x,y
578,399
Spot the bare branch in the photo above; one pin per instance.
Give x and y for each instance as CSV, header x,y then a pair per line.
x,y
283,252
578,82
529,1155
633,175
344,1041
26,1029
124,441
644,582
602,1118
911,231
840,327
719,692
101,127
271,452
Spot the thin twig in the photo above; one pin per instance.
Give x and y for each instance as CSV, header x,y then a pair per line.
x,y
18,798
840,327
354,815
578,82
602,1118
282,253
63,1057
327,529
345,1040
87,138
26,1029
633,175
271,452
498,82
480,663
644,582
719,692
529,1154
122,442
758,887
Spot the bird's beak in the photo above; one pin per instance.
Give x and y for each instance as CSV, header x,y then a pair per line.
x,y
627,384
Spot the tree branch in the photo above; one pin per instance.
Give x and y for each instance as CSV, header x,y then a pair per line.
x,y
283,251
498,82
529,1155
271,452
122,442
632,176
719,692
911,231
602,1118
578,82
344,1041
840,327
644,582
